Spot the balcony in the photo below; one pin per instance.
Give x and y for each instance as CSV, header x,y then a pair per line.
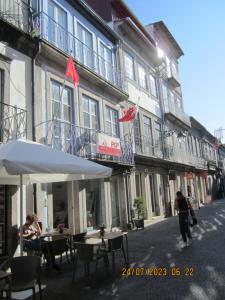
x,y
87,143
16,26
177,116
145,147
13,122
170,74
17,13
60,38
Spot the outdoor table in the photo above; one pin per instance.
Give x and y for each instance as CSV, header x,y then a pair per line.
x,y
6,277
109,236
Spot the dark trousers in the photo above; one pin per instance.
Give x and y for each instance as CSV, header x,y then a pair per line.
x,y
184,226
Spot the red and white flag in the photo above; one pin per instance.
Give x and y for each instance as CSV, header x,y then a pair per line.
x,y
128,114
71,72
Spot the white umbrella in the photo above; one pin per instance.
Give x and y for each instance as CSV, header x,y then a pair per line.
x,y
25,162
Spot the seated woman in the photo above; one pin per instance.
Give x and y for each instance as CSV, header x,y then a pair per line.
x,y
31,235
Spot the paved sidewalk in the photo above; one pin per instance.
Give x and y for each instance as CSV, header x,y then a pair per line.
x,y
158,246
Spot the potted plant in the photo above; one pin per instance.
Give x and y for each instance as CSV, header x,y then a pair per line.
x,y
139,212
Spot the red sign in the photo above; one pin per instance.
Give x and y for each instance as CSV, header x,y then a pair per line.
x,y
108,145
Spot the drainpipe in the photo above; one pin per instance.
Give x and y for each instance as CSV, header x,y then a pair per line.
x,y
33,112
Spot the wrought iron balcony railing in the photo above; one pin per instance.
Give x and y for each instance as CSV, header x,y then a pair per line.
x,y
58,36
147,147
86,143
178,113
17,13
13,122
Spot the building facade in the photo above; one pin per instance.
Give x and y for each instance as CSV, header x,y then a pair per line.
x,y
17,51
121,64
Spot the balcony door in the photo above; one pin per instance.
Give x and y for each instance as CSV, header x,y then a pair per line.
x,y
158,140
57,26
84,46
112,125
148,135
62,117
88,134
106,62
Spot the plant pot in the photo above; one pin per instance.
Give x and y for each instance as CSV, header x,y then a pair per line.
x,y
139,223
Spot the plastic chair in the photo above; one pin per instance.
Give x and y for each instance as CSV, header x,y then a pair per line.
x,y
25,274
86,254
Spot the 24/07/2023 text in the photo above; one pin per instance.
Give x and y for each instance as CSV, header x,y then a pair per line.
x,y
153,271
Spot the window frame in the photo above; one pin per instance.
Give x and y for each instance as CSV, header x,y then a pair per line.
x,y
77,23
60,121
140,66
129,56
110,48
90,100
156,94
117,135
55,20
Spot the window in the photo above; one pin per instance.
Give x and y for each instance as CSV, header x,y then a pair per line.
x,y
90,113
138,185
168,70
57,25
165,97
61,111
158,142
179,104
84,46
147,134
172,103
129,66
137,133
1,85
112,125
106,62
142,77
174,69
153,86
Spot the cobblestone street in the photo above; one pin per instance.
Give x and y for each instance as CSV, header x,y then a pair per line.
x,y
159,246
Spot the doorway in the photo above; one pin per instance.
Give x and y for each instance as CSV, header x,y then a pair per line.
x,y
60,204
115,203
154,202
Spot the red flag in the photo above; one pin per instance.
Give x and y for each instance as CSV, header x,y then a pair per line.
x,y
71,72
128,115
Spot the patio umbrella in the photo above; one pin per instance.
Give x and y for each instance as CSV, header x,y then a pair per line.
x,y
26,162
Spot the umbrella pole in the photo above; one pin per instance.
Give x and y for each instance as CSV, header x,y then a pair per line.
x,y
21,215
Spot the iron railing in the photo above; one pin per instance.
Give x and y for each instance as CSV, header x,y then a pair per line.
x,y
144,145
59,37
17,13
172,108
13,122
83,142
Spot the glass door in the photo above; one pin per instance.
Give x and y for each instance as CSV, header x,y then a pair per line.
x,y
62,111
57,26
148,135
106,62
85,46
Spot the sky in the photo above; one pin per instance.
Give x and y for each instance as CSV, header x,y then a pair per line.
x,y
199,28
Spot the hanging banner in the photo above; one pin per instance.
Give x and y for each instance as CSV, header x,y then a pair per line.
x,y
108,145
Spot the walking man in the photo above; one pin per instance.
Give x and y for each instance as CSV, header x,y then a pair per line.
x,y
182,206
